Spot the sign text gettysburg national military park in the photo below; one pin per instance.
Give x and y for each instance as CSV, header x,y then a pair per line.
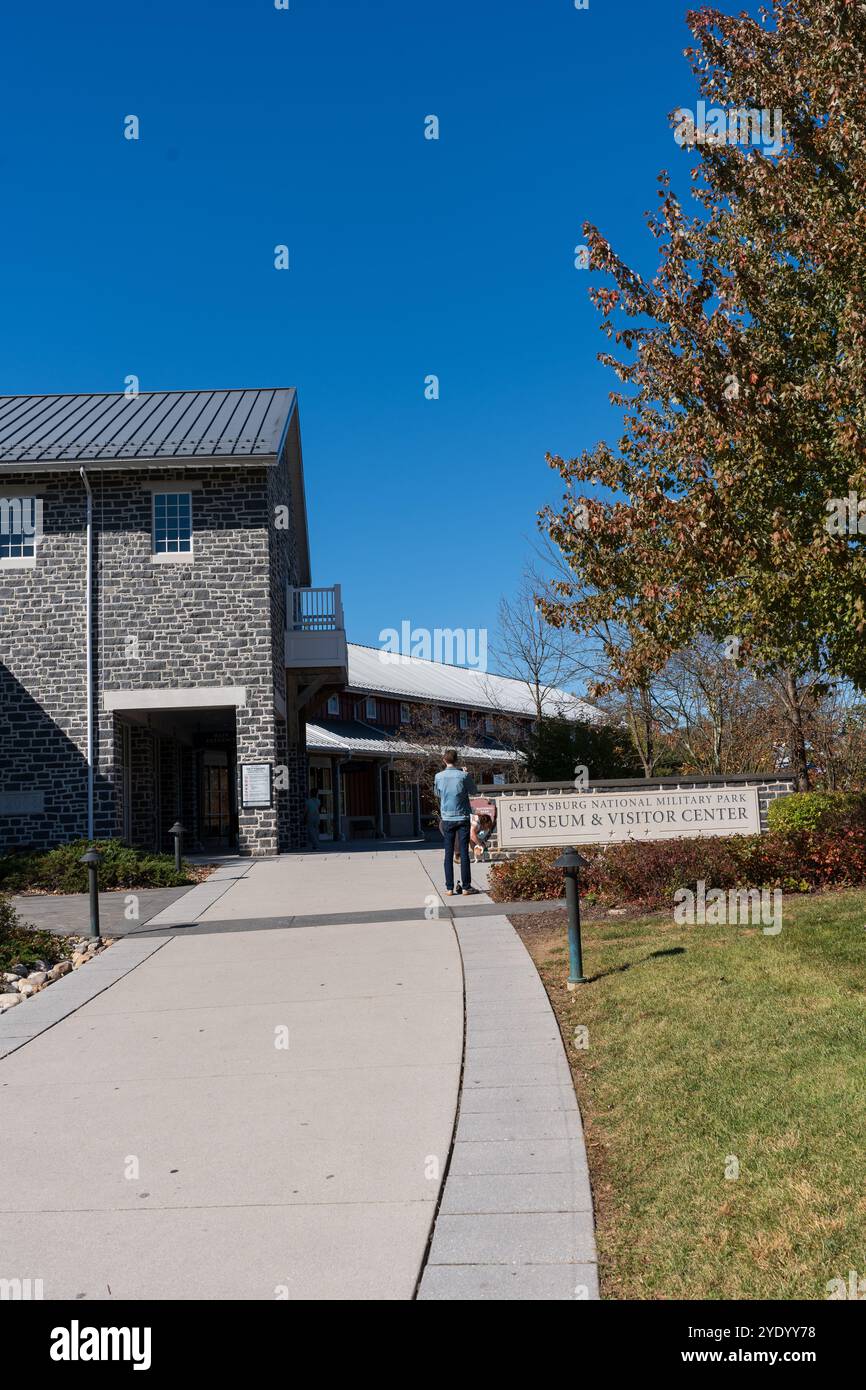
x,y
603,818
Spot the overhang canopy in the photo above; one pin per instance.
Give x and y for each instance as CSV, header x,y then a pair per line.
x,y
344,739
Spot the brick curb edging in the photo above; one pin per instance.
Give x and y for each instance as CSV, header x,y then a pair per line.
x,y
515,1220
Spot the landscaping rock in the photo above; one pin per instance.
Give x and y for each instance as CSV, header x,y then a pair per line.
x,y
37,977
10,978
26,989
63,967
8,1001
19,970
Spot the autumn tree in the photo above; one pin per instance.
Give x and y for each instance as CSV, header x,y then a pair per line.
x,y
743,362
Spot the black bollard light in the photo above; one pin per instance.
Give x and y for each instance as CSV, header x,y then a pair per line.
x,y
178,832
572,863
92,858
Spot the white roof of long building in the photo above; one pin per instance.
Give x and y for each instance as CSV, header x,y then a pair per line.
x,y
411,677
322,739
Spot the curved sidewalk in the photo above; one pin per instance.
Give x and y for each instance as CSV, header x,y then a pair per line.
x,y
266,1111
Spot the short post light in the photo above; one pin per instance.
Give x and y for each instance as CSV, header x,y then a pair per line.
x,y
92,858
177,830
571,863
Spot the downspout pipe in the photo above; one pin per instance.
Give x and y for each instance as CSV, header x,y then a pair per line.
x,y
88,623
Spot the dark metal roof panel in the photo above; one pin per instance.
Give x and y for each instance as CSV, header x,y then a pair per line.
x,y
150,425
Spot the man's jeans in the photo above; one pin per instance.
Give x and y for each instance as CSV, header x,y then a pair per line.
x,y
456,830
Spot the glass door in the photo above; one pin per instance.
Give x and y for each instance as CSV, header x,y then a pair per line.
x,y
321,785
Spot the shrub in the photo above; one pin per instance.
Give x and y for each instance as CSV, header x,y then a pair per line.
x,y
58,870
648,872
531,877
651,871
817,811
22,943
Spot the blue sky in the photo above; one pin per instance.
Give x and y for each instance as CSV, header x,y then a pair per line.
x,y
409,257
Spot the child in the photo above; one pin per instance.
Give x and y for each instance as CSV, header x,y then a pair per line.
x,y
480,832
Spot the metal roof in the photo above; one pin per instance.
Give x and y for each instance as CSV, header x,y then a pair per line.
x,y
332,736
61,431
372,670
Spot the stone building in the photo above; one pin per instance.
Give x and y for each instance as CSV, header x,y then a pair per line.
x,y
159,635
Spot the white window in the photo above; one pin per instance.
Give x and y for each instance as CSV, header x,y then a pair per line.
x,y
370,707
434,715
488,724
20,530
172,525
464,719
405,714
333,704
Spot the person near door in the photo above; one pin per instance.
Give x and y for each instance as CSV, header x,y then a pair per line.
x,y
453,788
313,813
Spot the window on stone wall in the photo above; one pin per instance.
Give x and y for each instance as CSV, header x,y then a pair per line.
x,y
172,523
19,527
464,719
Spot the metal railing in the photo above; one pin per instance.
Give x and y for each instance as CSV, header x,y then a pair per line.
x,y
315,610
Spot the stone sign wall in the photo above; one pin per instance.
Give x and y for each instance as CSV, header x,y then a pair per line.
x,y
557,814
526,822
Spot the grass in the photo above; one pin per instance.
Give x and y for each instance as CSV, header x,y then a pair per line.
x,y
712,1044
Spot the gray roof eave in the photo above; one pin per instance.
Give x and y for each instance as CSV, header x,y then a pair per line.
x,y
186,461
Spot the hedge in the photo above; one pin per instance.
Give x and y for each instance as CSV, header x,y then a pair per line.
x,y
818,811
647,873
58,870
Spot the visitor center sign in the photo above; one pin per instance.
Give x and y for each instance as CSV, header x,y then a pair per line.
x,y
593,818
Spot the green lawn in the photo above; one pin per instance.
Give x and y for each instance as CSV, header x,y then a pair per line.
x,y
712,1042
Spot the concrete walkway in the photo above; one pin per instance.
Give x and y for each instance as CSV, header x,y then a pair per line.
x,y
268,1112
69,913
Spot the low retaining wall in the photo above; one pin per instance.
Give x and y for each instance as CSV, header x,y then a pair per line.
x,y
769,788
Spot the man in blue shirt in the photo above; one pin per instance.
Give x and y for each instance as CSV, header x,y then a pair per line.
x,y
453,789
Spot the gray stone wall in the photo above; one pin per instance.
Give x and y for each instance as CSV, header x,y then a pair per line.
x,y
217,621
42,672
284,513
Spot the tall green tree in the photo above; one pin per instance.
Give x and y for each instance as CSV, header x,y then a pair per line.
x,y
743,362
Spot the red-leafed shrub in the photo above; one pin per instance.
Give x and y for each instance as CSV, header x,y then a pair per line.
x,y
648,872
529,878
651,871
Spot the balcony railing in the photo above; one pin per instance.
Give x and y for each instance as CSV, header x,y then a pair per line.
x,y
315,610
315,631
